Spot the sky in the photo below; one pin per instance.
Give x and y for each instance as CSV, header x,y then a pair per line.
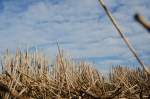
x,y
80,26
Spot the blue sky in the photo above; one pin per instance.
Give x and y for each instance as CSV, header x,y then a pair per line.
x,y
81,27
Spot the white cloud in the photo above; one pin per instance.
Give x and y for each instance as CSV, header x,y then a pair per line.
x,y
81,27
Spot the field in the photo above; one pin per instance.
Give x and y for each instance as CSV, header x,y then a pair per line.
x,y
31,76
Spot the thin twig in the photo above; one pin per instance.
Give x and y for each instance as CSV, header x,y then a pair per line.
x,y
125,39
139,18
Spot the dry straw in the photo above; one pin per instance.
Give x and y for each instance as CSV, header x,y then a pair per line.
x,y
139,18
125,39
31,76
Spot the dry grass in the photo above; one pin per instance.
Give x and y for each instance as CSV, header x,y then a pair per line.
x,y
29,76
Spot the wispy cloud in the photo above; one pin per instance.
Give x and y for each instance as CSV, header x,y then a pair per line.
x,y
80,26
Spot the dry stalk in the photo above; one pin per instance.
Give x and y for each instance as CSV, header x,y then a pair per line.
x,y
66,79
139,18
125,39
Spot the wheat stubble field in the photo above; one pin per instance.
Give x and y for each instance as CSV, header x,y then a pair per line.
x,y
79,24
31,76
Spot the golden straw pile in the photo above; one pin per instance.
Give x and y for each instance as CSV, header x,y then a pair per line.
x,y
30,76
